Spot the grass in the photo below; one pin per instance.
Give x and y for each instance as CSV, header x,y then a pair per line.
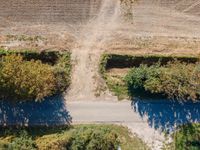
x,y
24,38
49,138
115,83
117,86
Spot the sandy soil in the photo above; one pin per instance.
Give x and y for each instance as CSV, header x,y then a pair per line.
x,y
86,81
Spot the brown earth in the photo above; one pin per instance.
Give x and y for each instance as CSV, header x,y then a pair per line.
x,y
163,26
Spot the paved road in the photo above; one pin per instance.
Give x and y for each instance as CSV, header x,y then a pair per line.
x,y
116,113
93,111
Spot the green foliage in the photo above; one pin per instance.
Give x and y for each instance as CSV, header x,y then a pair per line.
x,y
22,142
49,57
103,63
136,77
176,80
117,85
62,71
25,79
143,78
181,81
78,137
187,137
27,75
153,82
114,83
93,139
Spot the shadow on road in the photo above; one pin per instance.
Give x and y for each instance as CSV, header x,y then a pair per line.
x,y
51,111
165,115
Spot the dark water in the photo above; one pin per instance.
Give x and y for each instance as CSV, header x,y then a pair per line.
x,y
51,111
166,114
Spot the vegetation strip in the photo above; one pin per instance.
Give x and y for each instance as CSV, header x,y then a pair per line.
x,y
81,137
175,77
109,61
186,138
29,75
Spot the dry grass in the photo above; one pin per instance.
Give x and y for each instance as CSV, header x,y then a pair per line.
x,y
154,45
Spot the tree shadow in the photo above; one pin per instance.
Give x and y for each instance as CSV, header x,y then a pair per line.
x,y
51,111
166,115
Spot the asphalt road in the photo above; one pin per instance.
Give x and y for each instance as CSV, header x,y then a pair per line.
x,y
102,111
116,113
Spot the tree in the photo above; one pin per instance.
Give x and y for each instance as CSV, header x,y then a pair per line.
x,y
25,80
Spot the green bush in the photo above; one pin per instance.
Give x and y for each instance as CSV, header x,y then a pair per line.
x,y
28,75
82,137
187,137
103,62
62,70
90,138
176,80
143,78
181,81
136,77
25,80
22,142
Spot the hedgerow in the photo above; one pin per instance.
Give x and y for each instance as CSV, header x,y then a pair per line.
x,y
78,137
176,80
23,78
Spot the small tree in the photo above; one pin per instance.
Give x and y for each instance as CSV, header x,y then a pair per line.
x,y
22,142
25,80
176,80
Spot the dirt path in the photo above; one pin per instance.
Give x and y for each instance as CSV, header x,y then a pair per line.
x,y
149,19
85,77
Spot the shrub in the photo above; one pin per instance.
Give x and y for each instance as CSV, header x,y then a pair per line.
x,y
24,80
136,77
176,80
187,137
103,64
23,142
90,138
143,79
62,71
181,81
104,137
3,146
